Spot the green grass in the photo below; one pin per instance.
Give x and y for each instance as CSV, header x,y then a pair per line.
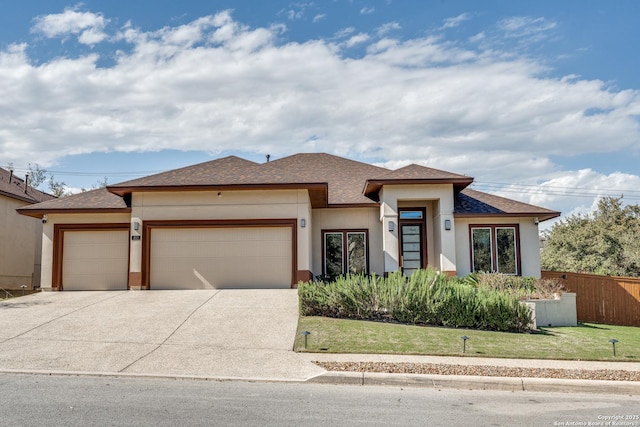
x,y
585,342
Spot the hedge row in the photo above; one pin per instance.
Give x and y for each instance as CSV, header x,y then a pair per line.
x,y
425,298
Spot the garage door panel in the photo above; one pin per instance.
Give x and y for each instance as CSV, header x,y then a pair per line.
x,y
95,260
219,249
239,257
95,250
220,234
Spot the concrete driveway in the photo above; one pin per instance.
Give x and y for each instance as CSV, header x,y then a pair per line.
x,y
245,334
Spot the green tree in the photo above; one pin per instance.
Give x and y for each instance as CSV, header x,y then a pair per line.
x,y
38,176
604,242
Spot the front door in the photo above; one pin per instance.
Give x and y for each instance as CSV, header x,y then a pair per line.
x,y
412,240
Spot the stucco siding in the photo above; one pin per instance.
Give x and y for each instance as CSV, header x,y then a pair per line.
x,y
224,205
438,199
349,218
48,231
18,234
529,243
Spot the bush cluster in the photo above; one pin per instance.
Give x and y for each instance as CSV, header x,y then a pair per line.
x,y
425,298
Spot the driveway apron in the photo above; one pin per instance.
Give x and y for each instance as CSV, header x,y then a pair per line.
x,y
210,333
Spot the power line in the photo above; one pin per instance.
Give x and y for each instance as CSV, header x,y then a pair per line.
x,y
557,190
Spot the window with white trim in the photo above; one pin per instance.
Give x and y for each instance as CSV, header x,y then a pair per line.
x,y
495,248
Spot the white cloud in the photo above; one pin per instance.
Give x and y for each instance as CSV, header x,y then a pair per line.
x,y
357,39
218,85
319,17
388,27
367,10
344,32
455,21
88,26
526,29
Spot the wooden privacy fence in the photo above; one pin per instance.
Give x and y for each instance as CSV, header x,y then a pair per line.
x,y
602,299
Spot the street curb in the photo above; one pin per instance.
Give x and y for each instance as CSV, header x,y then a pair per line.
x,y
549,385
146,376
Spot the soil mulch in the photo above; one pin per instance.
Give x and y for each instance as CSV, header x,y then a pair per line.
x,y
486,371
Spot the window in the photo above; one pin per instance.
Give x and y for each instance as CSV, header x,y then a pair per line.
x,y
411,214
345,252
495,248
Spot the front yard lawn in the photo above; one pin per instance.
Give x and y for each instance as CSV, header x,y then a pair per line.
x,y
585,342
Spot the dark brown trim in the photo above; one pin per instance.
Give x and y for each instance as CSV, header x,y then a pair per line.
x,y
372,186
38,213
58,246
27,199
303,276
353,205
542,216
494,257
148,226
318,191
135,280
344,232
424,256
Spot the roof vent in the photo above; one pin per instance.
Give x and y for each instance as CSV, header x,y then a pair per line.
x,y
26,182
268,157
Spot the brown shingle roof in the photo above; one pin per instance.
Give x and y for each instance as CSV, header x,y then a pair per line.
x,y
229,170
331,180
341,178
415,174
99,200
476,203
14,187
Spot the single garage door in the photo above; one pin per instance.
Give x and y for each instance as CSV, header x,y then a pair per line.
x,y
95,260
220,257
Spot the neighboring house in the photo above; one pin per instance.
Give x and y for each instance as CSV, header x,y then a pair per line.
x,y
235,223
19,236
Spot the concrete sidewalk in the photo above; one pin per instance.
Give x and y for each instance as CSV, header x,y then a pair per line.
x,y
480,382
219,335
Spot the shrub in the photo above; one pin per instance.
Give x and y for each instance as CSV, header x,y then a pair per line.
x,y
425,298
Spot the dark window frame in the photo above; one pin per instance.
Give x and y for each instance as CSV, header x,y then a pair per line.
x,y
345,233
424,260
494,246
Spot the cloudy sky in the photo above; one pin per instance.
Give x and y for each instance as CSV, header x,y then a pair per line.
x,y
538,101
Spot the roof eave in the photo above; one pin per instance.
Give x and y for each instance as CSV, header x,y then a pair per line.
x,y
18,197
318,191
39,213
372,186
542,216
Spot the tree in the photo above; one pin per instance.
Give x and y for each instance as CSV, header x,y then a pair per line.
x,y
37,176
101,183
604,242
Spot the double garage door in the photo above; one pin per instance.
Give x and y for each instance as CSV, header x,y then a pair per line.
x,y
220,257
182,257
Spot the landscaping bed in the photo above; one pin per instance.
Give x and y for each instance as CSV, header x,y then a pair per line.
x,y
487,302
485,371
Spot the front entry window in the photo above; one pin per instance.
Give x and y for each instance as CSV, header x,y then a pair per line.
x,y
345,252
412,239
495,249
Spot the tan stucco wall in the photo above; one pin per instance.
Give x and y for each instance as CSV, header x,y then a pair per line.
x,y
438,198
349,218
19,255
47,236
250,204
529,243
